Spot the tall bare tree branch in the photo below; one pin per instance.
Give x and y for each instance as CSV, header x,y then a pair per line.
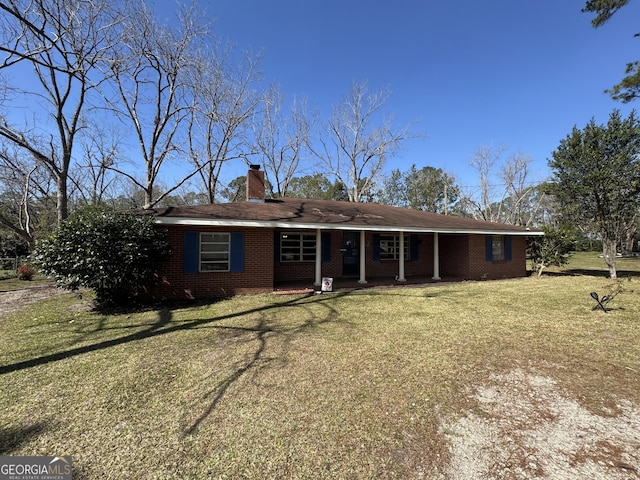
x,y
282,140
358,141
226,97
151,69
63,41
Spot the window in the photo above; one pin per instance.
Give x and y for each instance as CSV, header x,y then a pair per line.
x,y
297,247
497,248
390,247
214,252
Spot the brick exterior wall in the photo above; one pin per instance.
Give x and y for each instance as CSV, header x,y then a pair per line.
x,y
464,257
480,268
454,255
256,277
461,257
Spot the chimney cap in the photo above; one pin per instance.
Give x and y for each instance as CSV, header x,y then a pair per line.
x,y
254,166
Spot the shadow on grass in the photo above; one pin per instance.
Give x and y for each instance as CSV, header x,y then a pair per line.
x,y
162,326
218,392
164,318
263,332
13,437
585,272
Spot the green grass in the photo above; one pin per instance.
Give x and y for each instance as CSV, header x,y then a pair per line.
x,y
9,281
345,385
591,263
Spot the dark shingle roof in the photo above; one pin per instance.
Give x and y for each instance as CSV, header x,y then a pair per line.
x,y
323,214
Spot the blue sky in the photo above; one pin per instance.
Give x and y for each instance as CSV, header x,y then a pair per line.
x,y
513,73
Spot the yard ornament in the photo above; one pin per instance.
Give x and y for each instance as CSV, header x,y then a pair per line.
x,y
601,301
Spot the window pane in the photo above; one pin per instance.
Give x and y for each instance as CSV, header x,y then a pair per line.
x,y
387,247
214,247
214,256
497,248
390,247
297,247
214,267
214,252
214,237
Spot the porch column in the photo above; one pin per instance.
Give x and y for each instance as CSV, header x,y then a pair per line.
x,y
318,280
436,257
401,259
363,274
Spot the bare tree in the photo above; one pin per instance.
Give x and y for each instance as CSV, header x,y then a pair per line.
x,y
151,70
522,197
93,178
226,100
62,42
356,147
485,203
25,188
282,140
510,196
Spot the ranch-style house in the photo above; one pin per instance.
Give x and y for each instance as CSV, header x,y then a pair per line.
x,y
262,244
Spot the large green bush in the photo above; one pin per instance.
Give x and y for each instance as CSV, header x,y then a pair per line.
x,y
114,254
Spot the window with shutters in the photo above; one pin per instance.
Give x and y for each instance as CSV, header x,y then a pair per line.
x,y
390,247
497,248
297,247
214,252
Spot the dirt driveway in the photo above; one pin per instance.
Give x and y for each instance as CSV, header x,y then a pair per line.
x,y
16,299
525,428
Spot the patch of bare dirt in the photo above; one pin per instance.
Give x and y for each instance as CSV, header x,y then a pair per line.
x,y
525,428
14,300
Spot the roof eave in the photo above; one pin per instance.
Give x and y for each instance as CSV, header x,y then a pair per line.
x,y
215,222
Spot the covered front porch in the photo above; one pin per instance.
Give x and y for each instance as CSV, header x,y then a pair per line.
x,y
354,256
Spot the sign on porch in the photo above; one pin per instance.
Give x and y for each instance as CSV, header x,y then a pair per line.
x,y
327,284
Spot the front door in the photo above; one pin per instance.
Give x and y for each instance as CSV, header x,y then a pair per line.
x,y
350,254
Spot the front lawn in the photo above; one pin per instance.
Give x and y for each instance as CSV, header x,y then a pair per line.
x,y
344,385
9,281
592,263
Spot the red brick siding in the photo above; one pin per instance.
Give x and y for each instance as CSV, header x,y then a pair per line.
x,y
480,268
257,275
461,256
464,256
454,255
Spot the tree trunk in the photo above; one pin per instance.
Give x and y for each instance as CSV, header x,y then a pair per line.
x,y
62,197
609,253
628,241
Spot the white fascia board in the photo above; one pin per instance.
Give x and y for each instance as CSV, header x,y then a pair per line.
x,y
206,222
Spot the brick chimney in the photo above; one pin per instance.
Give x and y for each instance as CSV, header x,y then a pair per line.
x,y
255,184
